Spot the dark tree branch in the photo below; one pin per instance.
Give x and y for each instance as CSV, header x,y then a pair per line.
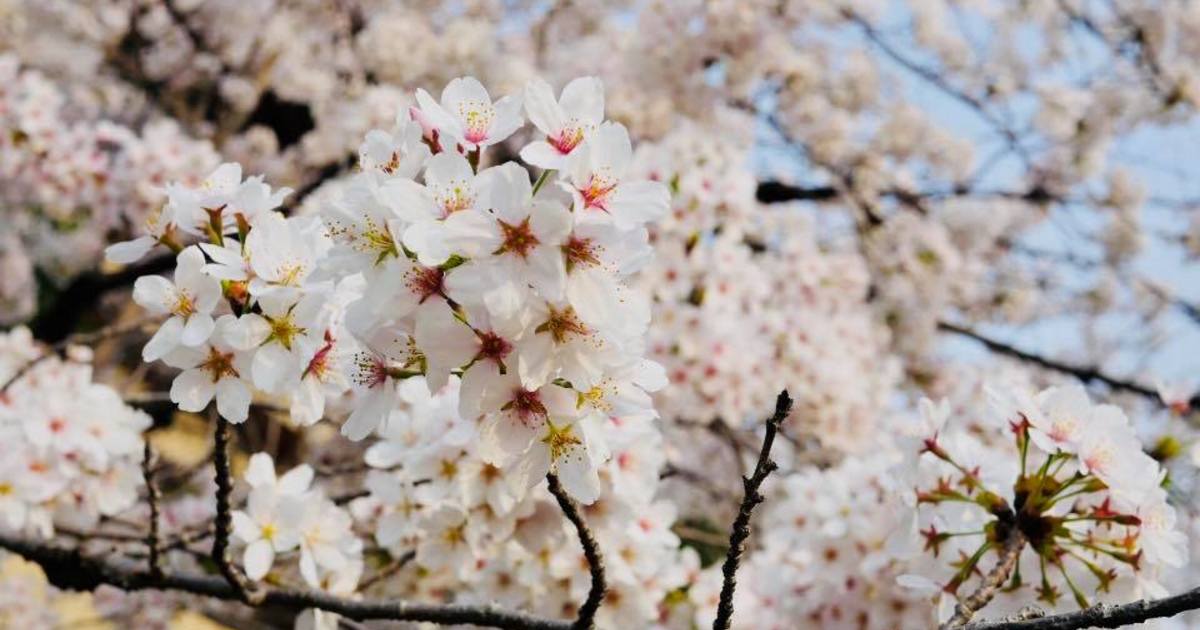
x,y
741,525
1102,616
71,570
1009,554
772,191
778,192
80,297
391,569
1085,373
248,592
591,550
326,173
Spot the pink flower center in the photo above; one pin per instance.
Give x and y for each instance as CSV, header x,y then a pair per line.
x,y
519,238
477,118
370,370
493,347
580,251
567,139
425,282
597,192
527,406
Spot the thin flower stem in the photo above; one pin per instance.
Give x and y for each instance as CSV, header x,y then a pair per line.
x,y
541,180
1023,437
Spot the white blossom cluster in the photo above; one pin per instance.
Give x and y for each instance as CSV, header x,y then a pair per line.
x,y
70,449
518,290
1072,474
477,328
480,538
284,514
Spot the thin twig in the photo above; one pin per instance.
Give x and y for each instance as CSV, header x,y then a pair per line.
x,y
152,540
223,522
391,569
591,550
741,525
1084,373
56,323
1010,553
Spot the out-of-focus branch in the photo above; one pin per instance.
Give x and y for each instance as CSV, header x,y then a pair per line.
x,y
60,347
591,551
391,569
80,297
935,79
772,191
1086,373
778,192
153,546
1102,616
325,174
1009,554
741,525
69,569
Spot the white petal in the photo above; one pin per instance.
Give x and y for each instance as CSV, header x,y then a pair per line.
x,y
197,330
297,480
244,527
638,202
245,332
372,411
308,568
308,402
165,339
448,344
508,119
592,291
578,475
192,390
258,559
427,239
583,99
129,251
233,399
650,375
551,222
470,233
542,155
272,365
544,112
611,148
154,293
448,169
260,471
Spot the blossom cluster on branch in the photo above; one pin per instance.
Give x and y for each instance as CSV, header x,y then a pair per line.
x,y
548,347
